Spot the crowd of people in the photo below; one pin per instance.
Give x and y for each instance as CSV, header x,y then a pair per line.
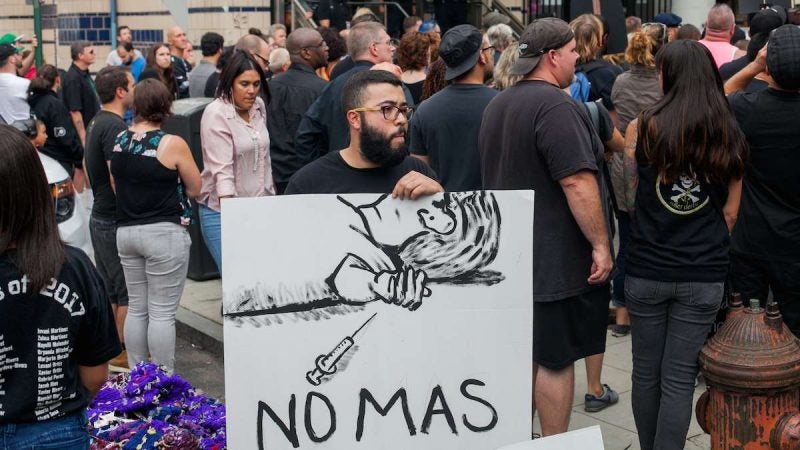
x,y
682,147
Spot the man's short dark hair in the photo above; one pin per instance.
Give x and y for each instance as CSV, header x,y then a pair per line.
x,y
77,48
353,93
108,80
120,28
211,43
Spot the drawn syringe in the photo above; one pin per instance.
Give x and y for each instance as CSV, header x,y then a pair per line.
x,y
326,364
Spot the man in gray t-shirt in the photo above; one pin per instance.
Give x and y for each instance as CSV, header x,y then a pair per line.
x,y
211,45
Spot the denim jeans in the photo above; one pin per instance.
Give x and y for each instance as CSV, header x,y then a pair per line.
x,y
155,258
65,433
104,241
669,325
210,226
624,230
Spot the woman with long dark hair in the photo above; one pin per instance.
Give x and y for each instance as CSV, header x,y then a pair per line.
x,y
683,166
57,333
159,66
235,145
154,176
62,142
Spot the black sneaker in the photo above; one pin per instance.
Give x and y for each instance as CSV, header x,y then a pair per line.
x,y
592,403
620,330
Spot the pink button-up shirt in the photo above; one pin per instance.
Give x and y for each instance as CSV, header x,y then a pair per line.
x,y
235,154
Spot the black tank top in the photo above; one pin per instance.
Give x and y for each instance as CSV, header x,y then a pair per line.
x,y
147,192
678,232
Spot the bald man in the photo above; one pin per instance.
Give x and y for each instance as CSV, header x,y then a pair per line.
x,y
720,26
257,47
292,92
180,67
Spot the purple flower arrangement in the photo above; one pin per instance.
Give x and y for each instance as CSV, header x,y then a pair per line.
x,y
149,408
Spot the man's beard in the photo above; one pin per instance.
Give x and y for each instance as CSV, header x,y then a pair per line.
x,y
377,148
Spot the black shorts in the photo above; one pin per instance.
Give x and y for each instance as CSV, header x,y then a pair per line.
x,y
755,278
567,330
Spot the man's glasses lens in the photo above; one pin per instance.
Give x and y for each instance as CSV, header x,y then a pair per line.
x,y
391,112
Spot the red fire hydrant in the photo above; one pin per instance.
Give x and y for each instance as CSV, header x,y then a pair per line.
x,y
752,368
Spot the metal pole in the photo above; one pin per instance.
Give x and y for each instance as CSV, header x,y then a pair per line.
x,y
113,14
55,38
37,30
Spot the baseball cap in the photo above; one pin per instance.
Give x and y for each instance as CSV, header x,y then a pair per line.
x,y
6,50
10,38
783,56
669,19
765,21
460,48
539,36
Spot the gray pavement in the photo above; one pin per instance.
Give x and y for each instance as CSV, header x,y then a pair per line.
x,y
200,337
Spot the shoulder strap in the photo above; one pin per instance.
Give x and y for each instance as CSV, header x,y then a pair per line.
x,y
594,115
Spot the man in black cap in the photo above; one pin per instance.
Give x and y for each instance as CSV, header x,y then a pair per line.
x,y
444,130
761,24
673,23
765,245
533,136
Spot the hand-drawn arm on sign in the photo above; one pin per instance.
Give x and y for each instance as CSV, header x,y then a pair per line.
x,y
451,239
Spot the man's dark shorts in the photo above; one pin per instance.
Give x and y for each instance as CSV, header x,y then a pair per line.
x,y
755,278
567,330
104,241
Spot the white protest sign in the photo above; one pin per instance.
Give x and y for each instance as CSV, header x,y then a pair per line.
x,y
589,438
359,321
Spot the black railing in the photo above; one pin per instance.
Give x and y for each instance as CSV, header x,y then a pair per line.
x,y
646,9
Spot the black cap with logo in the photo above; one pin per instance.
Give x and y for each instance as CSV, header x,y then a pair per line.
x,y
540,36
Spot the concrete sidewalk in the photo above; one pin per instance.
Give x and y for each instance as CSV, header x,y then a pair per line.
x,y
200,321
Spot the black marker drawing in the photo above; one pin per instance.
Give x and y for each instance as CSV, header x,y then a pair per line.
x,y
451,239
326,365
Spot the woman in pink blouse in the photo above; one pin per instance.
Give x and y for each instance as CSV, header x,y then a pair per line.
x,y
235,145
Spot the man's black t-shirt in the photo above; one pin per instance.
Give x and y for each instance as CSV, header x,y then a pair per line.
x,y
45,336
343,66
445,128
330,174
101,136
533,135
729,69
181,69
79,93
768,226
336,11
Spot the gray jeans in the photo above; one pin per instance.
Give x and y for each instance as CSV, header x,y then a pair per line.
x,y
669,325
155,258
